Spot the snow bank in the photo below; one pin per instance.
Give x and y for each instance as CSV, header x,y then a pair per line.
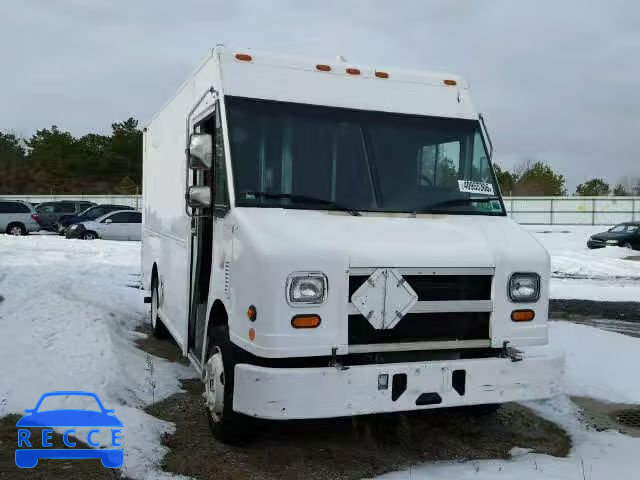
x,y
570,256
599,364
67,321
579,273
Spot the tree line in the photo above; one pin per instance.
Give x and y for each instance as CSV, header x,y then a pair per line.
x,y
53,161
539,179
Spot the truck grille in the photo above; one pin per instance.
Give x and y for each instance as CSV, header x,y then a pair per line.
x,y
418,327
440,287
450,308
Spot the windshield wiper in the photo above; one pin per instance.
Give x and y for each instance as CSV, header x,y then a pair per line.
x,y
461,201
303,198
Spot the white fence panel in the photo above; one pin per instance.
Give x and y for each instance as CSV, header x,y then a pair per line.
x,y
573,210
134,201
525,210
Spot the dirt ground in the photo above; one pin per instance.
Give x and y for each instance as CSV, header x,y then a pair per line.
x,y
342,448
570,309
46,469
605,416
347,448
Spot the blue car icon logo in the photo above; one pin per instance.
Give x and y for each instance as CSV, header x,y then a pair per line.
x,y
27,456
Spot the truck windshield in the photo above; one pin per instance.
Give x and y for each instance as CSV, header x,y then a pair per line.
x,y
302,156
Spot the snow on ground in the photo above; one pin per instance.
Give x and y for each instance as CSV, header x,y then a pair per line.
x,y
69,308
68,313
600,364
579,273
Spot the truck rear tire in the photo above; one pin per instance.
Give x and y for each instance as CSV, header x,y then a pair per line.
x,y
227,426
157,327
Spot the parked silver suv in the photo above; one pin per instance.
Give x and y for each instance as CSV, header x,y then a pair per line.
x,y
18,217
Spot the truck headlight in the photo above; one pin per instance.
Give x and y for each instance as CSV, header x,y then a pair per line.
x,y
524,287
306,288
613,242
73,227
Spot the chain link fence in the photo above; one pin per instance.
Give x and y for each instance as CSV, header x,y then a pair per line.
x,y
524,210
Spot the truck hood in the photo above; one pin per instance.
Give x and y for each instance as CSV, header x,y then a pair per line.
x,y
391,240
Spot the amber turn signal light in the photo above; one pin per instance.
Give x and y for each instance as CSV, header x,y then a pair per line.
x,y
305,321
523,315
252,313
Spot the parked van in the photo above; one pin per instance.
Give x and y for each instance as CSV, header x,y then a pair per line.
x,y
50,212
17,217
334,243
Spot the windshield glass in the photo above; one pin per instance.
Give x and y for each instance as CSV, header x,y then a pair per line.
x,y
303,156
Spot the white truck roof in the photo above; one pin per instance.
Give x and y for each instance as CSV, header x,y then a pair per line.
x,y
254,74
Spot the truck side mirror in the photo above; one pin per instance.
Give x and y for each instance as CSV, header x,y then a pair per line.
x,y
199,197
200,151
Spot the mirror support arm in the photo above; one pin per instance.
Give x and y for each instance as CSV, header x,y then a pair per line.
x,y
210,91
486,134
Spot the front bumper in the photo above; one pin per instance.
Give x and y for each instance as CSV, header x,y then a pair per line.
x,y
595,244
302,393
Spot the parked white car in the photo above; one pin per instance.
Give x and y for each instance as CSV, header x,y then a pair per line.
x,y
118,225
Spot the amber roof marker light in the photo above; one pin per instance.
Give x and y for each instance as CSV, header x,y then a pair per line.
x,y
353,71
381,74
450,83
323,68
244,57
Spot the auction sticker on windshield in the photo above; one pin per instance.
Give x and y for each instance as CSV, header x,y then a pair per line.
x,y
468,186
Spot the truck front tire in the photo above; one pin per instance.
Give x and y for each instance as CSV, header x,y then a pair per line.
x,y
227,425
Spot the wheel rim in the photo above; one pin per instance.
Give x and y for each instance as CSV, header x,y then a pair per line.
x,y
154,306
214,385
17,231
89,236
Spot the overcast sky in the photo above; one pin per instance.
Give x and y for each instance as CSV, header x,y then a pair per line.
x,y
557,80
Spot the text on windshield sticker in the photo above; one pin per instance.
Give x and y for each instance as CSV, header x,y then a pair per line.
x,y
468,186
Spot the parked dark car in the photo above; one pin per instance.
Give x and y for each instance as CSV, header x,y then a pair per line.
x,y
623,235
89,214
50,212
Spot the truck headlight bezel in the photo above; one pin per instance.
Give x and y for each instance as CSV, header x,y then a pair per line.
x,y
532,279
296,280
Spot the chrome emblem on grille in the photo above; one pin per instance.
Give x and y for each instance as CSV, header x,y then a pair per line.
x,y
384,298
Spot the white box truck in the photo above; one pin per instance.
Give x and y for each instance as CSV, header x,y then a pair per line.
x,y
324,239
